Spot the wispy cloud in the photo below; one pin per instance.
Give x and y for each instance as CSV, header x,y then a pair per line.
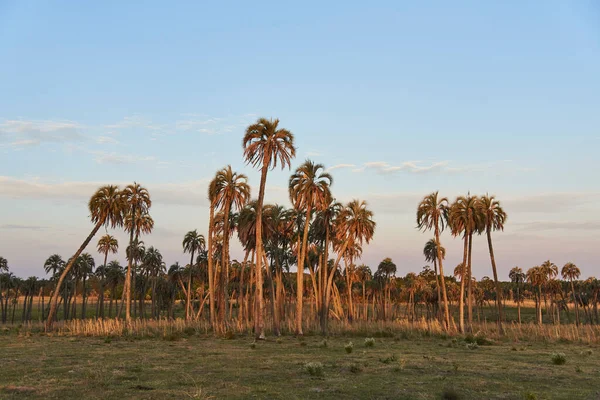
x,y
340,166
24,133
537,226
383,167
115,158
22,227
106,140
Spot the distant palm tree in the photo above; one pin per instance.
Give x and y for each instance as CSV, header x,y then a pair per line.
x,y
430,252
363,274
537,277
114,276
386,270
432,213
232,193
193,243
85,268
494,219
571,272
265,144
106,244
137,202
550,270
309,190
353,225
153,262
106,208
517,276
465,218
3,265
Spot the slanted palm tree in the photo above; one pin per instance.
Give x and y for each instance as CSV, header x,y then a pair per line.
x,y
106,244
494,219
353,225
106,208
430,252
571,272
464,218
309,190
265,144
232,193
432,213
517,276
137,202
193,243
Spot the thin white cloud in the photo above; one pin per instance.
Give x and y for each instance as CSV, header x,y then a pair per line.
x,y
106,140
32,132
340,166
115,158
537,226
383,167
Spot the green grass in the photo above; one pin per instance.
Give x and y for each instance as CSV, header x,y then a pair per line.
x,y
36,366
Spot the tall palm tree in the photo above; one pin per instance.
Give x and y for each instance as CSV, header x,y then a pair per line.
x,y
137,202
232,193
517,276
309,189
106,208
354,225
265,144
430,252
193,243
432,213
571,272
140,222
464,218
106,244
494,219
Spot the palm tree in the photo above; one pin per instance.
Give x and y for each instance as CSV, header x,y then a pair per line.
x,y
517,276
309,190
137,202
571,272
114,276
232,193
193,243
494,219
550,270
354,225
3,265
430,252
464,218
85,267
363,274
106,208
264,146
153,262
106,244
536,277
386,269
140,222
432,213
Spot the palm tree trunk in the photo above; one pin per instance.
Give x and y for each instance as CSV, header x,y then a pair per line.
x,y
259,328
437,288
325,289
497,283
300,275
188,301
127,285
461,297
54,300
444,294
575,301
223,298
518,304
211,287
276,330
470,284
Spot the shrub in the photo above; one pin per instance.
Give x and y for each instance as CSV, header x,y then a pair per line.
x,y
470,338
355,368
450,394
578,369
370,342
388,359
559,358
107,340
314,368
349,347
278,341
472,346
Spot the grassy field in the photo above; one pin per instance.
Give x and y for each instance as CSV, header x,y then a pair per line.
x,y
195,366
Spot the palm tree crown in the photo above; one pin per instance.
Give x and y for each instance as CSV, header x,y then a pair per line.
x,y
265,143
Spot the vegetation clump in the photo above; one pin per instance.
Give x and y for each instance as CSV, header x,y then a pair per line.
x,y
370,342
349,347
314,369
559,358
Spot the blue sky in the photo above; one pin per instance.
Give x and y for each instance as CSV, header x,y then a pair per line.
x,y
397,99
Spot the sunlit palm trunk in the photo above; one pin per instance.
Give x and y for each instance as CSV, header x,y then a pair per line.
x,y
54,299
325,288
497,283
188,297
470,284
211,287
130,257
300,275
437,288
259,328
223,297
443,280
461,297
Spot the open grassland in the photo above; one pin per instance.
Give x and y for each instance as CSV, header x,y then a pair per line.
x,y
189,364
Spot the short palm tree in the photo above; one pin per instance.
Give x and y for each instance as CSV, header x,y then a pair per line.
x,y
106,208
309,190
432,213
494,219
517,277
193,243
265,145
430,252
137,202
537,278
571,272
106,244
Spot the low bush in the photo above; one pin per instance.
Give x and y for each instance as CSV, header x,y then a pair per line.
x,y
349,347
558,358
370,342
314,368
